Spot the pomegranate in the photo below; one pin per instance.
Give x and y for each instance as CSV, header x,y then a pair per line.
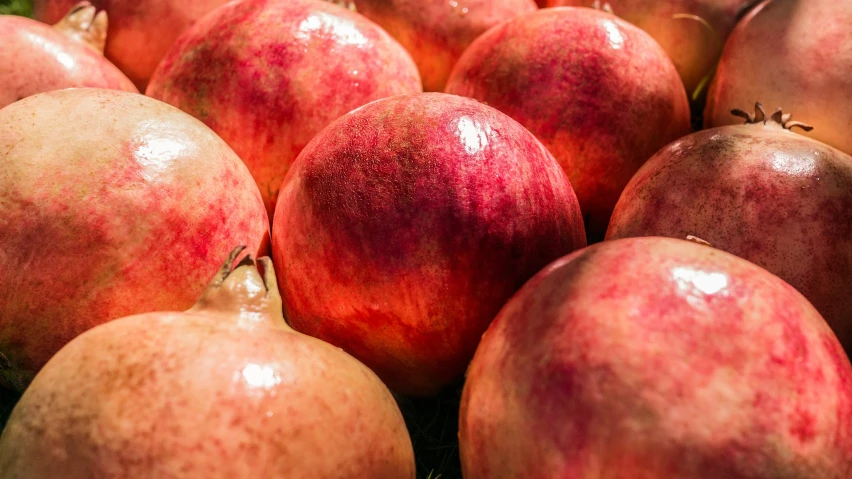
x,y
403,227
36,58
224,390
268,75
140,31
692,32
436,32
112,204
657,358
598,92
791,53
775,198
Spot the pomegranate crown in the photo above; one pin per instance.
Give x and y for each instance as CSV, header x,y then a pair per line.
x,y
779,118
604,6
83,23
242,290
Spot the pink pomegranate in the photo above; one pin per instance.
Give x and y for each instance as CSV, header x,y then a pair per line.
x,y
113,204
268,75
761,192
791,53
655,358
36,58
436,32
403,227
598,92
692,32
140,31
224,390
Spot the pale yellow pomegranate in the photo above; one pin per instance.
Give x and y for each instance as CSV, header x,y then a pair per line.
x,y
224,390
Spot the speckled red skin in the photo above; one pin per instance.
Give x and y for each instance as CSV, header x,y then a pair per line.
x,y
140,31
768,195
211,393
601,111
113,204
268,75
655,358
36,58
400,242
794,56
693,48
436,32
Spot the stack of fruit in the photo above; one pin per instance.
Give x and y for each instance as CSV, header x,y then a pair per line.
x,y
380,238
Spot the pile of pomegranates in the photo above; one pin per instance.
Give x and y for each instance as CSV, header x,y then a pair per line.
x,y
612,240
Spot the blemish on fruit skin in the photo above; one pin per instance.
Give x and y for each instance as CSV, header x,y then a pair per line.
x,y
391,231
268,87
601,111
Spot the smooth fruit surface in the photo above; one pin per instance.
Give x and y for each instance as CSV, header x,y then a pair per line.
x,y
773,197
404,226
36,58
656,358
793,54
692,32
599,93
225,390
268,75
436,32
140,31
112,204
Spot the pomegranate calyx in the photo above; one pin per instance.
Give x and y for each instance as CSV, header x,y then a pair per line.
x,y
84,24
243,291
603,6
348,4
778,118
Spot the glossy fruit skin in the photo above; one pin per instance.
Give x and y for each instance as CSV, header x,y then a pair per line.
x,y
36,58
771,196
436,32
207,393
786,55
400,243
693,48
112,204
655,358
599,93
140,31
268,75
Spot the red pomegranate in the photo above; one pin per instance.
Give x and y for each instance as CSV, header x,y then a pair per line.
x,y
268,75
761,192
112,204
403,227
224,390
436,32
140,31
692,32
657,358
36,58
791,53
598,92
